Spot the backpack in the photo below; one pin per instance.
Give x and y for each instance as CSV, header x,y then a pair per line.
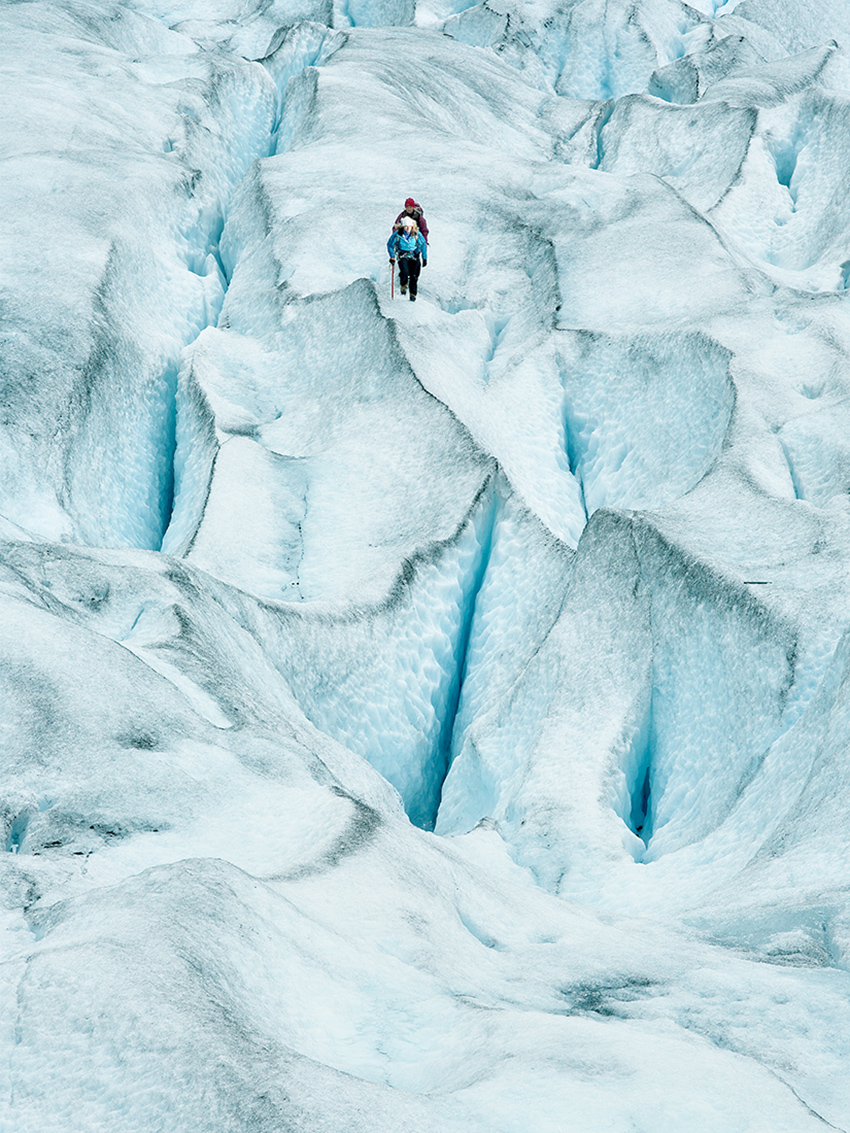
x,y
416,214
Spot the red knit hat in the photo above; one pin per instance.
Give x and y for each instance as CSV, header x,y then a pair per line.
x,y
409,203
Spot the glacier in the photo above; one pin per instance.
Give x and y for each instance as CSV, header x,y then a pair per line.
x,y
425,716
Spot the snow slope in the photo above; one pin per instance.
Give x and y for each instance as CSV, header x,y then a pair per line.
x,y
436,715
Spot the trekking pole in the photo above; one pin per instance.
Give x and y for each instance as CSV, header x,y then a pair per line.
x,y
392,280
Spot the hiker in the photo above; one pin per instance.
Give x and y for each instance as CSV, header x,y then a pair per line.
x,y
411,208
407,245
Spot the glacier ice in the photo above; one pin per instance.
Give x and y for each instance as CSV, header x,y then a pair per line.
x,y
424,716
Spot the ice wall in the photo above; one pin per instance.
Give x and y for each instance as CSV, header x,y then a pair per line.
x,y
424,715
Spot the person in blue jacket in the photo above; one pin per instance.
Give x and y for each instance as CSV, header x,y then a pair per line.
x,y
407,246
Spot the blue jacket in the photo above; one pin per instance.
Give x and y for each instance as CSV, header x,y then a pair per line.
x,y
407,246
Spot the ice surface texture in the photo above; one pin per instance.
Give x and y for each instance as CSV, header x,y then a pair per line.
x,y
425,716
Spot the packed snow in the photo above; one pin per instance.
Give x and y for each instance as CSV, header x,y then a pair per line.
x,y
425,715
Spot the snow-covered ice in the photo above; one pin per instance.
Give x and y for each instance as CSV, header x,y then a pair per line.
x,y
436,715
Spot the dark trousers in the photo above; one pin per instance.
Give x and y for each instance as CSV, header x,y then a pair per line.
x,y
408,272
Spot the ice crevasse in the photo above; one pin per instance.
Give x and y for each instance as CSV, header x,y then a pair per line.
x,y
435,715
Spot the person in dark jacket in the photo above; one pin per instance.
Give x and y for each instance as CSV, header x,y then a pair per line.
x,y
407,245
412,209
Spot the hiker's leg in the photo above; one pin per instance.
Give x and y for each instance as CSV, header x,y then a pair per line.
x,y
403,273
414,275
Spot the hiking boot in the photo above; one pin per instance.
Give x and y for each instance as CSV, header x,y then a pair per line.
x,y
404,289
412,297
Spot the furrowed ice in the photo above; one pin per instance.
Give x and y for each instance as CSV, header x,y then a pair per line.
x,y
436,715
